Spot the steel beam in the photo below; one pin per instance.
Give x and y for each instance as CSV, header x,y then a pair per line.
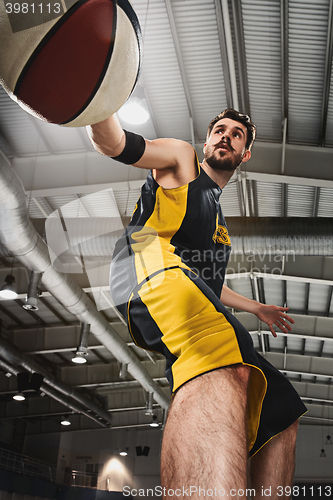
x,y
241,56
180,61
284,7
327,76
224,53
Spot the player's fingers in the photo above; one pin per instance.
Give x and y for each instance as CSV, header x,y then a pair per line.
x,y
273,331
281,326
288,318
285,324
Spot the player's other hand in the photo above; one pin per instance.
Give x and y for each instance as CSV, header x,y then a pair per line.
x,y
275,315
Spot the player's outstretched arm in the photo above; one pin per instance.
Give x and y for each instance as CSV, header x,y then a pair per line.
x,y
269,314
109,138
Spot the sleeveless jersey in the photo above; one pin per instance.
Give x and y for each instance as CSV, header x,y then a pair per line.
x,y
179,227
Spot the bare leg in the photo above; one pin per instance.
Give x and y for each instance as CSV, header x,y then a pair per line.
x,y
205,438
274,466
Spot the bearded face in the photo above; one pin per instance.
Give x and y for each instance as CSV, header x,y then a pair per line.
x,y
223,157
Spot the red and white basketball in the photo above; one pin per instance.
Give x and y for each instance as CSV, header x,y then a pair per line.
x,y
72,67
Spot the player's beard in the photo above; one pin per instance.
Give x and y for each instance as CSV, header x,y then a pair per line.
x,y
221,160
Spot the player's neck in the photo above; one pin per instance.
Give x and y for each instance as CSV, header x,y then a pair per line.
x,y
221,177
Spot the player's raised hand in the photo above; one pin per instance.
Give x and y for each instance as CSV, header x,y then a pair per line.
x,y
275,315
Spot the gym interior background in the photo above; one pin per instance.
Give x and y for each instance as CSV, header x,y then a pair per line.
x,y
269,58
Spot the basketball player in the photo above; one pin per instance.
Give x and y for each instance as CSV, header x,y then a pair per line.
x,y
167,276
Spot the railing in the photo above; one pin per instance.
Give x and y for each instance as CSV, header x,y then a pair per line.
x,y
90,480
25,465
22,464
84,479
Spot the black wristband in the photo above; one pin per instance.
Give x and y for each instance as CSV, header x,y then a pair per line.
x,y
135,146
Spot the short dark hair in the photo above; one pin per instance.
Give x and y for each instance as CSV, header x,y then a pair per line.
x,y
238,117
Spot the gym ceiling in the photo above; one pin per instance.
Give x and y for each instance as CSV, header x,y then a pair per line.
x,y
271,59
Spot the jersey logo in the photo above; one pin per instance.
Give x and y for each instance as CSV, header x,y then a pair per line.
x,y
221,234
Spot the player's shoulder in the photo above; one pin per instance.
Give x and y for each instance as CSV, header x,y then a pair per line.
x,y
180,150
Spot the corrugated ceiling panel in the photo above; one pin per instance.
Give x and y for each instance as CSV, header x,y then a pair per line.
x,y
100,204
277,344
20,134
296,295
273,291
329,129
33,210
304,378
307,48
44,205
261,20
198,36
318,298
160,71
328,348
72,210
61,139
229,200
300,201
126,201
62,311
323,380
325,206
269,196
295,344
18,312
242,286
312,347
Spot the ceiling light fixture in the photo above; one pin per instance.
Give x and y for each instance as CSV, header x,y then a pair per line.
x,y
154,422
80,355
8,291
65,421
27,383
82,351
328,440
19,396
133,112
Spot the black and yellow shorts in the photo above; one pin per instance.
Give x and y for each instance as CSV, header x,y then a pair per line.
x,y
175,313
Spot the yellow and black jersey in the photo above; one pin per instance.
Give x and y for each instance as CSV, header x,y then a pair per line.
x,y
180,227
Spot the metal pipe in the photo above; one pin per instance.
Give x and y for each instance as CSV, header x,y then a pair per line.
x,y
230,52
82,350
31,301
20,237
284,139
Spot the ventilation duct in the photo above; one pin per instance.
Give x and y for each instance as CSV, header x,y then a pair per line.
x,y
20,237
281,235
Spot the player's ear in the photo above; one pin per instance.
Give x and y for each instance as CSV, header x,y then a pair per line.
x,y
246,156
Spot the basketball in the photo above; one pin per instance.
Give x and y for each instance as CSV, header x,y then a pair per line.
x,y
72,62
